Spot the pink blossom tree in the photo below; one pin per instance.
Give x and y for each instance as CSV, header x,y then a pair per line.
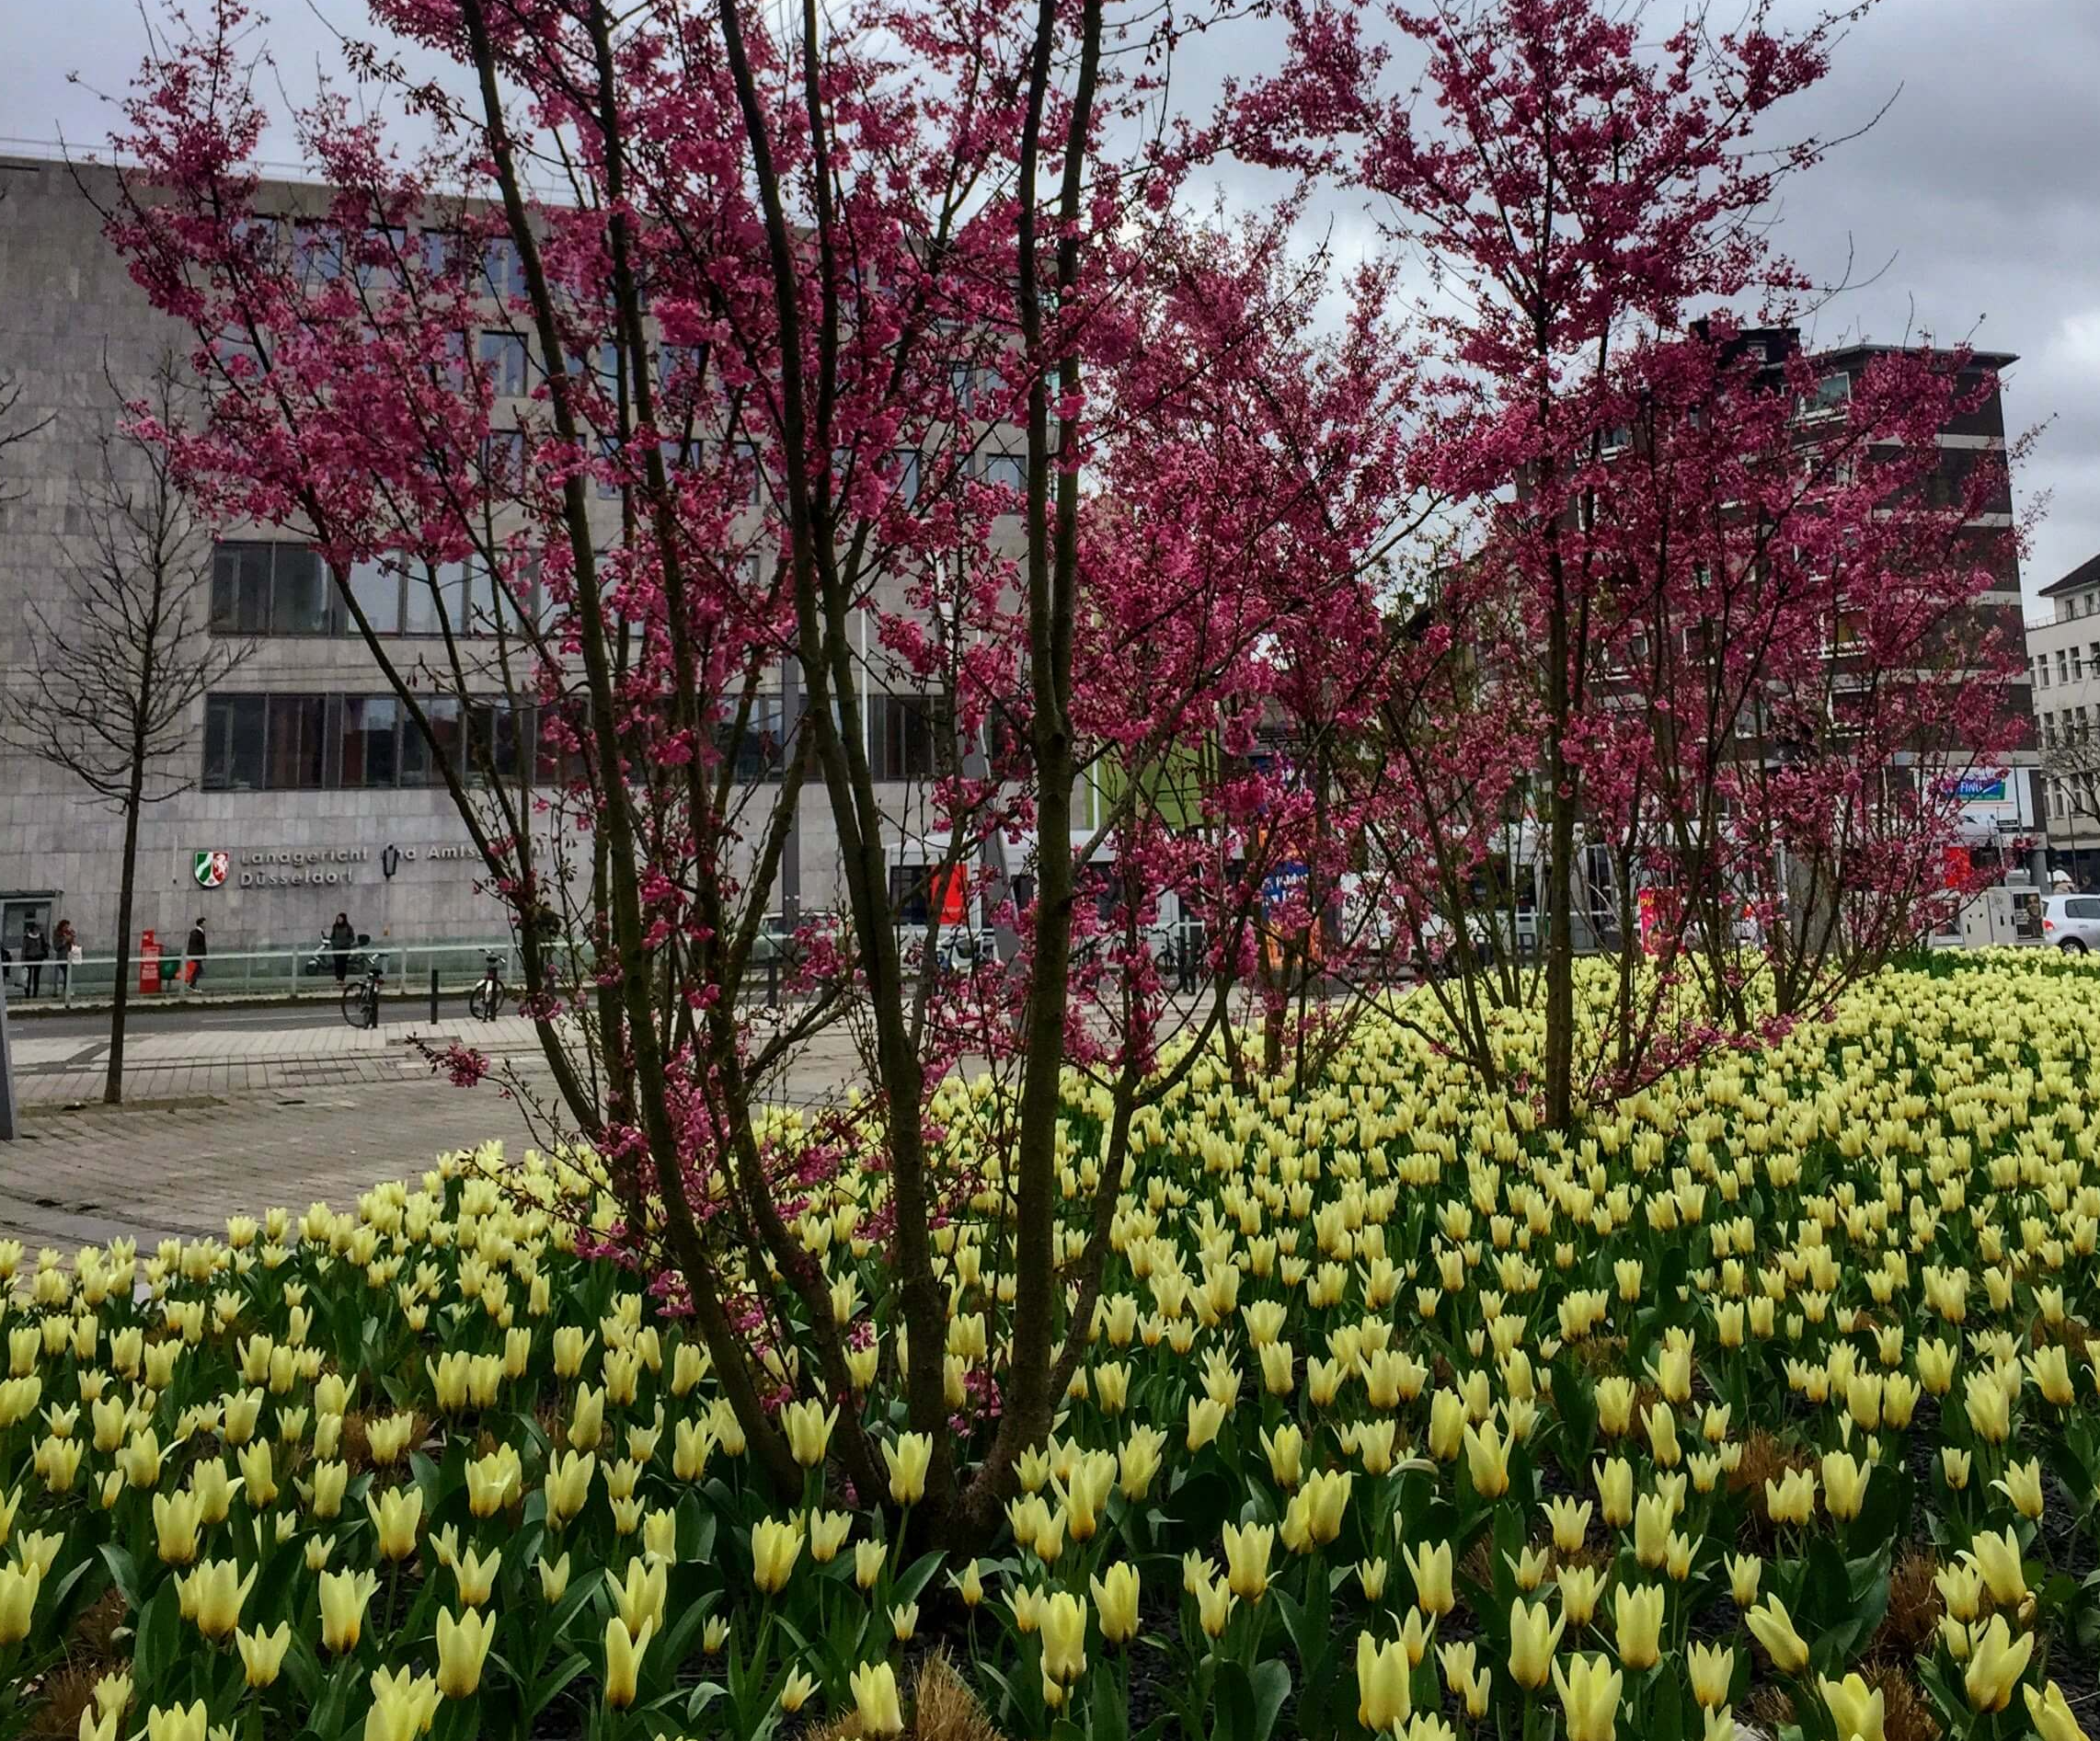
x,y
723,389
1651,546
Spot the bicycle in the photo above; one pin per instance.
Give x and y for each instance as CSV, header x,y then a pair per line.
x,y
360,1000
485,1002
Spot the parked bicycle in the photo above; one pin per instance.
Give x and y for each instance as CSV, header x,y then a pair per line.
x,y
361,999
485,1002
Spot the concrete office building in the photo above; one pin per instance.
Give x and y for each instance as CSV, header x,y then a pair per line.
x,y
299,776
311,793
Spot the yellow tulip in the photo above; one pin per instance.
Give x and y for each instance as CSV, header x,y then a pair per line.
x,y
909,1460
476,1576
1570,1523
177,1519
1997,1559
403,1704
1432,1570
463,1647
568,1485
19,1588
1589,1695
1487,1461
774,1547
1996,1662
492,1480
262,1654
1062,1620
2023,1485
1844,1485
1384,1701
1247,1553
622,1660
1773,1627
396,1517
970,1585
2051,1715
1858,1710
1580,1588
1533,1636
1638,1613
1214,1605
1615,1491
344,1596
1712,1667
795,1691
1652,1517
177,1722
216,1593
1206,1415
1792,1498
1115,1601
1285,1452
324,1493
874,1699
808,1430
554,1580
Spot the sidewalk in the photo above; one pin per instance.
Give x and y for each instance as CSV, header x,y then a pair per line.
x,y
84,1177
181,1064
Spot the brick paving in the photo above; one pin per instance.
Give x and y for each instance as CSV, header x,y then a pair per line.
x,y
236,1122
87,1175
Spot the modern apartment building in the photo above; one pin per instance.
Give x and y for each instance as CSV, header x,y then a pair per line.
x,y
2063,657
309,791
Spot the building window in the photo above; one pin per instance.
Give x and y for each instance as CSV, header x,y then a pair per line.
x,y
2063,666
908,475
370,747
502,266
501,734
233,742
1007,470
904,732
261,588
1830,396
756,753
303,742
503,355
297,742
419,765
376,587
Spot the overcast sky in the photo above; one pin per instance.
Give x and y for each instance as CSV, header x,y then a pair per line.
x,y
1973,207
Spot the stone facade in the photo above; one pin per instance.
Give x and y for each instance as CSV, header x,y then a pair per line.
x,y
294,857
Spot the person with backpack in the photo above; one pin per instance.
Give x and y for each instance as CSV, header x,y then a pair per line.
x,y
64,942
35,951
195,950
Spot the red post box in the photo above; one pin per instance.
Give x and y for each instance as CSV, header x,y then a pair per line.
x,y
149,962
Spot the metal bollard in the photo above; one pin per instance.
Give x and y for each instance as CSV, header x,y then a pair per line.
x,y
433,994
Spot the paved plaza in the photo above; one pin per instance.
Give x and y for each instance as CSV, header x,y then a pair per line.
x,y
231,1120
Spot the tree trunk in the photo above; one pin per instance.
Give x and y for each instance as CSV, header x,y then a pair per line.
x,y
113,1082
1560,880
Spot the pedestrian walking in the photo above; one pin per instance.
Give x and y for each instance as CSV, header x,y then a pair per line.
x,y
342,939
63,942
35,951
196,950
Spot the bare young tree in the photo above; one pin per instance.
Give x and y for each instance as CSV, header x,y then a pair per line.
x,y
124,656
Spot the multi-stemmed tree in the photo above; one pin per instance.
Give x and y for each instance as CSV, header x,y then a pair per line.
x,y
764,437
1654,546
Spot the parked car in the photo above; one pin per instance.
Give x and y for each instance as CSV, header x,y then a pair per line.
x,y
2072,922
